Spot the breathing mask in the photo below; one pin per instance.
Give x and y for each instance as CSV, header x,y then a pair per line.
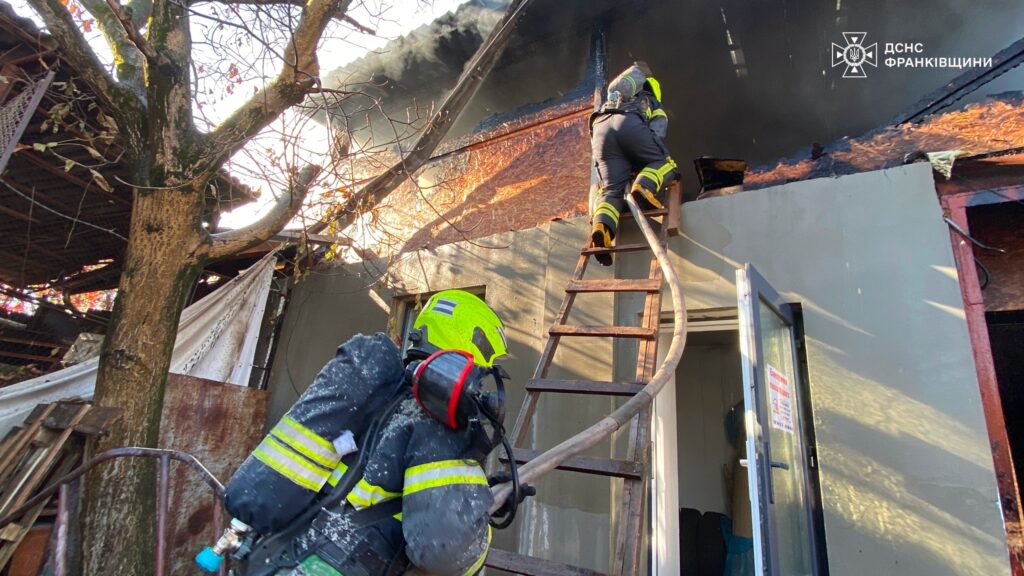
x,y
456,392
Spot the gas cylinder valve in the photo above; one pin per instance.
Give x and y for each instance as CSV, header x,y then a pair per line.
x,y
235,539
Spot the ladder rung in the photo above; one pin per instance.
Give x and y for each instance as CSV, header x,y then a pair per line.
x,y
589,465
613,331
585,387
520,564
653,213
621,248
616,285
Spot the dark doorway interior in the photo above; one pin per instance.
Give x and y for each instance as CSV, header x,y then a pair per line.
x,y
1006,333
1001,275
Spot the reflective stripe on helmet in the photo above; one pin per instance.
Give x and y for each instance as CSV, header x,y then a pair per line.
x,y
449,321
291,465
306,442
443,473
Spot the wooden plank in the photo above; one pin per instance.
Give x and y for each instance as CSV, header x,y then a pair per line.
x,y
95,422
7,550
11,456
588,465
615,285
674,203
18,215
647,213
603,331
520,564
32,342
629,537
589,251
39,474
25,356
585,387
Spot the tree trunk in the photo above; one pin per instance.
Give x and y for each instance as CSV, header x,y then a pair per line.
x,y
120,512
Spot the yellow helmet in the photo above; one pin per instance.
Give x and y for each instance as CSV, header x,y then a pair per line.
x,y
458,320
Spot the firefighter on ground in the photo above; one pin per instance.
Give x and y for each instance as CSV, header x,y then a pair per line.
x,y
422,498
627,136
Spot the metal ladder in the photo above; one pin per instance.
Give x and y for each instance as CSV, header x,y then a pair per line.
x,y
635,468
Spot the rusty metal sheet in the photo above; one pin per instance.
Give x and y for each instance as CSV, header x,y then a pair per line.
x,y
219,424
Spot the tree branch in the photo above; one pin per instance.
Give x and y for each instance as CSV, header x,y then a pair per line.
x,y
117,100
341,15
127,58
299,74
132,32
287,206
437,128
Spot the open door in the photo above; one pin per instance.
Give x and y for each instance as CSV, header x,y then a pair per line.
x,y
777,462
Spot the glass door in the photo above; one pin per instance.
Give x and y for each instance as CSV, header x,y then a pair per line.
x,y
777,462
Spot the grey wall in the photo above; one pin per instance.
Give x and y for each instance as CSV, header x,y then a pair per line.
x,y
908,484
906,471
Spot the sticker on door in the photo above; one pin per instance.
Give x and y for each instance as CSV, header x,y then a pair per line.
x,y
781,400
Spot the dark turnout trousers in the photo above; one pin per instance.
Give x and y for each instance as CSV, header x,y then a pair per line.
x,y
621,144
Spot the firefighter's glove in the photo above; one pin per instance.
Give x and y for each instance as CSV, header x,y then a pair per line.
x,y
525,490
649,196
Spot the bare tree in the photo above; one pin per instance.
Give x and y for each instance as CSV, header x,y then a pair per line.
x,y
171,59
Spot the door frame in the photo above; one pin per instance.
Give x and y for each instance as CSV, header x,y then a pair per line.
x,y
754,291
664,479
955,206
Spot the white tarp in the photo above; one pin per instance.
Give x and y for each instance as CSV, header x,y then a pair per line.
x,y
216,340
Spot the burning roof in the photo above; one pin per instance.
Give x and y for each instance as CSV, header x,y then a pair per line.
x,y
993,125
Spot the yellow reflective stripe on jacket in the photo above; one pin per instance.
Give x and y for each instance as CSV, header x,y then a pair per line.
x,y
656,113
669,166
480,561
291,465
306,442
337,474
365,494
608,210
444,473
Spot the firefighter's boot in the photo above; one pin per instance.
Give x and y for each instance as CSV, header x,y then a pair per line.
x,y
647,195
601,237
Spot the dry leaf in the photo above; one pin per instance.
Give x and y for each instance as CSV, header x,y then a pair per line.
x,y
101,181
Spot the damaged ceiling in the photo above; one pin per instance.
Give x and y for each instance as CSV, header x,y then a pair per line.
x,y
742,80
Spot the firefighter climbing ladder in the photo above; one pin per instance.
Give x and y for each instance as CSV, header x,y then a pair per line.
x,y
635,468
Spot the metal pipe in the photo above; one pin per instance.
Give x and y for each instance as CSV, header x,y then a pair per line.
x,y
133,452
161,515
575,445
60,567
218,529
